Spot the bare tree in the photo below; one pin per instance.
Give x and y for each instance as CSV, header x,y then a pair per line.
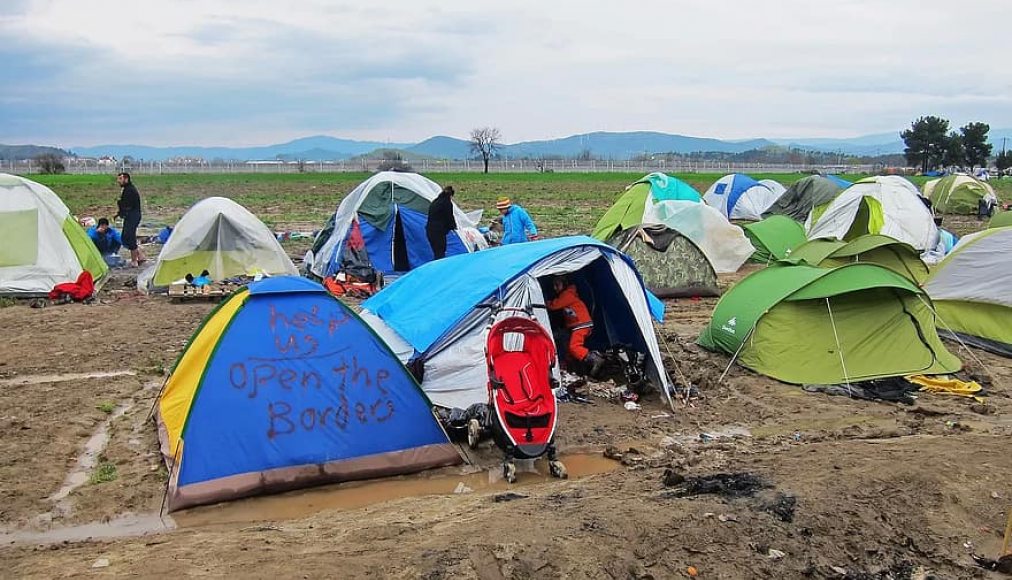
x,y
50,163
485,141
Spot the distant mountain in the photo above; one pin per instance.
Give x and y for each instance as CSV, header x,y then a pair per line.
x,y
19,152
443,147
316,148
626,145
602,145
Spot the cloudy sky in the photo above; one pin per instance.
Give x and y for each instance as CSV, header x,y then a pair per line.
x,y
250,72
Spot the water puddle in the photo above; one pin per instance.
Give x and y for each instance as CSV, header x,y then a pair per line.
x,y
88,458
352,495
43,379
304,503
121,527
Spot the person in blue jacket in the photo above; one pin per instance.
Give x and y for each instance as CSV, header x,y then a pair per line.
x,y
516,222
106,238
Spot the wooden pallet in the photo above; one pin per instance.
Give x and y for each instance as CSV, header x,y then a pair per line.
x,y
210,292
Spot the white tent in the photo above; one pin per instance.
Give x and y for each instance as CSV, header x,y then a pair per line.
x,y
774,186
41,245
886,205
726,246
390,208
739,197
222,237
972,289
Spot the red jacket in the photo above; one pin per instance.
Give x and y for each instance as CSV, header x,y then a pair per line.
x,y
573,309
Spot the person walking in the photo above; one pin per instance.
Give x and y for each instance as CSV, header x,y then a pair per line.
x,y
516,222
440,222
130,210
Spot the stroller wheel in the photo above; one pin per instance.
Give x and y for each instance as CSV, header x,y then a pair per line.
x,y
509,472
557,469
473,433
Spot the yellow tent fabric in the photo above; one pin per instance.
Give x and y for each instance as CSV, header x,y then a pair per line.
x,y
944,386
182,385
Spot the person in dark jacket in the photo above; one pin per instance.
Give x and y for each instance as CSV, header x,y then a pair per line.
x,y
440,222
130,210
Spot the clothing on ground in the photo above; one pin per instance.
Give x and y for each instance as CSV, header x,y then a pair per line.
x,y
78,291
943,386
517,225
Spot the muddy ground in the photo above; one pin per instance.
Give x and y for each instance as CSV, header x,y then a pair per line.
x,y
841,487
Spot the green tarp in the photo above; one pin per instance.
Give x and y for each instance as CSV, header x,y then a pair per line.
x,y
801,324
627,211
803,195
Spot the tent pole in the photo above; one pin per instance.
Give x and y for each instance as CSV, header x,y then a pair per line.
x,y
678,369
839,347
956,336
735,357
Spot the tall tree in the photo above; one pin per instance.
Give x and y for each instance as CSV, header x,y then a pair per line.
x,y
926,141
975,143
955,152
485,142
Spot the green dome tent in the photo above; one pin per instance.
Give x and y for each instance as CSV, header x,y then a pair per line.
x,y
774,238
1001,219
872,248
627,211
800,324
803,195
972,290
672,266
957,194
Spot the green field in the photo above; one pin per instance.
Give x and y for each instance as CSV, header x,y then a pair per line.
x,y
561,203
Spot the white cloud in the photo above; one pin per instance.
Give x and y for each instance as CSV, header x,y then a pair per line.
x,y
230,72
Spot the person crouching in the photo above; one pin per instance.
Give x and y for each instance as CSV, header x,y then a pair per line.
x,y
578,323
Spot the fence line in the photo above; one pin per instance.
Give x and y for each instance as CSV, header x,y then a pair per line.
x,y
442,166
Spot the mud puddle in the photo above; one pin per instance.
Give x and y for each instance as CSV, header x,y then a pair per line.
x,y
43,379
352,495
304,503
121,527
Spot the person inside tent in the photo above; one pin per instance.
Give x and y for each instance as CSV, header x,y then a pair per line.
x,y
516,222
578,323
440,222
108,242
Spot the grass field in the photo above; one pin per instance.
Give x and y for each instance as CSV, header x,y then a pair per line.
x,y
561,203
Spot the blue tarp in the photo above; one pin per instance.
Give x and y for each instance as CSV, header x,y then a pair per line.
x,y
297,379
423,304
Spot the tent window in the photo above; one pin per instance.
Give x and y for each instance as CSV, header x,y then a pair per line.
x,y
721,188
19,238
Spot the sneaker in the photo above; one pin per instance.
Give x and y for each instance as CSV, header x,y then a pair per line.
x,y
596,361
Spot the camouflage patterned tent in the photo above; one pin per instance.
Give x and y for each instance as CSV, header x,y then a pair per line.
x,y
671,264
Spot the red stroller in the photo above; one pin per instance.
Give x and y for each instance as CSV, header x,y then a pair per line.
x,y
520,356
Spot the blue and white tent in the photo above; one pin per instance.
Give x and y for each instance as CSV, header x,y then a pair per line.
x,y
739,197
282,387
391,209
438,314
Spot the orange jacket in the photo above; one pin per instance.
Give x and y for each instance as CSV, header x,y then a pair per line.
x,y
573,309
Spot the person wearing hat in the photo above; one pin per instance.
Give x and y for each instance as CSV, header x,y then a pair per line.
x,y
440,222
516,222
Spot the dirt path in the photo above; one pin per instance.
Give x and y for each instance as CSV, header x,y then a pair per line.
x,y
867,488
